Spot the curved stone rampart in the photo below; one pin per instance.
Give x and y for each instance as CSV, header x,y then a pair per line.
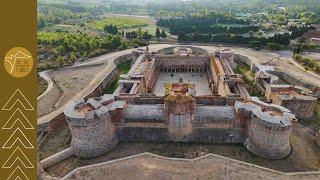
x,y
47,100
56,158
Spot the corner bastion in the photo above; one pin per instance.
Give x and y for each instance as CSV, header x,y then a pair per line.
x,y
92,132
267,128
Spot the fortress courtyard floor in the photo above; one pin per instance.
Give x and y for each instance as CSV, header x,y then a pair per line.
x,y
199,79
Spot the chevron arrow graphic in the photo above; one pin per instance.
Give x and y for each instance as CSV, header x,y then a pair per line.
x,y
16,137
17,98
18,118
19,158
18,174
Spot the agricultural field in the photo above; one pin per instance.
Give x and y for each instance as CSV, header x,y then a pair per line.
x,y
120,22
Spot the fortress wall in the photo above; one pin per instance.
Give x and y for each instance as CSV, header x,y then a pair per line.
x,y
108,80
175,62
195,50
211,100
54,125
244,59
217,135
295,81
149,100
161,134
56,158
143,113
215,114
302,109
47,102
143,134
152,76
266,140
209,125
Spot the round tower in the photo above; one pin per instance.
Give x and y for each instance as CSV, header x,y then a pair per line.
x,y
267,130
92,132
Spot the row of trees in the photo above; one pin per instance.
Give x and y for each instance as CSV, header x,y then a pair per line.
x,y
299,31
111,29
281,39
56,14
207,24
69,47
161,34
140,35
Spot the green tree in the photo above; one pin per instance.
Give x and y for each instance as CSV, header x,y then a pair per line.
x,y
139,33
251,34
255,45
163,34
60,61
297,57
260,34
111,29
72,57
274,46
158,34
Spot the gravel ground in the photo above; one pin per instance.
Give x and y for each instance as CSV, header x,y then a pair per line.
x,y
74,80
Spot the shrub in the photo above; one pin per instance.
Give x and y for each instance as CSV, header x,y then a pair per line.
x,y
254,44
274,46
297,57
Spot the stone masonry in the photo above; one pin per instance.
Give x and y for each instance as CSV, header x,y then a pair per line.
x,y
225,115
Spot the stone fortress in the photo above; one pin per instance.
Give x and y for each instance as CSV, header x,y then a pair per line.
x,y
188,95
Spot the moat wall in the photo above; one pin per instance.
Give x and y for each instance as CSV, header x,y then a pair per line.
x,y
49,99
59,120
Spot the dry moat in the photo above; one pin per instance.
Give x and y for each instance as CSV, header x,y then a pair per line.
x,y
305,155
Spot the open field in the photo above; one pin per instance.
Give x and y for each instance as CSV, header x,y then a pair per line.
x,y
74,28
120,22
126,22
